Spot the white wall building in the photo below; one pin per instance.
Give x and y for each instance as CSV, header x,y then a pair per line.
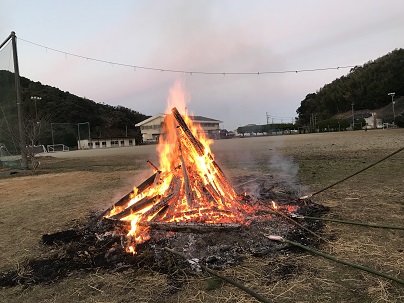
x,y
152,127
105,142
373,122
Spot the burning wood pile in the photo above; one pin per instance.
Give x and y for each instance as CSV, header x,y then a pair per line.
x,y
187,204
189,192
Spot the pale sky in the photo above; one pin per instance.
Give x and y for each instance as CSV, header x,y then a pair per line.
x,y
200,35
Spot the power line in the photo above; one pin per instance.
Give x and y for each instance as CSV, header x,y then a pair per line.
x,y
190,72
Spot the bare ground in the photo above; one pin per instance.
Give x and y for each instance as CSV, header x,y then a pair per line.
x,y
68,187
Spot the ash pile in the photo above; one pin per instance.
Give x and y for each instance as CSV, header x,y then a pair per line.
x,y
102,244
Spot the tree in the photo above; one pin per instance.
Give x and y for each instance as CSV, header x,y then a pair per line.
x,y
366,86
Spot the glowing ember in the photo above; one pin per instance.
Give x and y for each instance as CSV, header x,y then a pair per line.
x,y
189,186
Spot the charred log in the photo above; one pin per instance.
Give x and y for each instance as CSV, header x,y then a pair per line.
x,y
125,199
146,201
191,227
198,145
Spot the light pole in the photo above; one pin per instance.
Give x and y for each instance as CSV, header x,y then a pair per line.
x,y
53,139
392,102
353,117
36,110
36,123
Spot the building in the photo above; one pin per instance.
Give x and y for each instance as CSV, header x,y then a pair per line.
x,y
105,142
373,122
152,127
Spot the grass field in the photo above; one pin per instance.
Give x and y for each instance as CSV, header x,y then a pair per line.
x,y
69,186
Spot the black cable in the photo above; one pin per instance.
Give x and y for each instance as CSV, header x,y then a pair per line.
x,y
189,71
350,176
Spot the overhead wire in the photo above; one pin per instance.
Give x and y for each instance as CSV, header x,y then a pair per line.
x,y
190,72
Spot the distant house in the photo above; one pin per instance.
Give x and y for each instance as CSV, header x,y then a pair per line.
x,y
152,127
105,142
373,122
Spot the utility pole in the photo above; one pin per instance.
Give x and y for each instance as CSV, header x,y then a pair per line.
x,y
24,158
36,109
392,102
268,116
353,116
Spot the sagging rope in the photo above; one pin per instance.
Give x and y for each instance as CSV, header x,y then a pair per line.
x,y
350,176
350,222
228,280
275,211
329,257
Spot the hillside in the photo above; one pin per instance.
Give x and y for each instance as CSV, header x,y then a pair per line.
x,y
384,113
60,112
366,86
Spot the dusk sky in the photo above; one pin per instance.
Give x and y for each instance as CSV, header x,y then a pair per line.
x,y
208,36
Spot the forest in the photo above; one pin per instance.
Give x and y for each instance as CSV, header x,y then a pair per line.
x,y
364,88
63,115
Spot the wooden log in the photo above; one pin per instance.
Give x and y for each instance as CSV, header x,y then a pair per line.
x,y
200,149
153,166
125,225
174,188
187,186
146,201
212,191
146,184
191,226
160,213
156,179
125,199
164,202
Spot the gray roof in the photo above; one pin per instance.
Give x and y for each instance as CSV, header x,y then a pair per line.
x,y
197,119
204,119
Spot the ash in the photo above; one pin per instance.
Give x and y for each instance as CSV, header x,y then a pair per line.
x,y
100,244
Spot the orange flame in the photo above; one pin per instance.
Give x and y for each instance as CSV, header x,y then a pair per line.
x,y
189,187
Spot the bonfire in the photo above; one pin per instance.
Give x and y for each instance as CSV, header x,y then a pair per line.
x,y
189,188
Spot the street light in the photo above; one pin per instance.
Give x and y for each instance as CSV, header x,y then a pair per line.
x,y
392,102
37,124
36,110
353,117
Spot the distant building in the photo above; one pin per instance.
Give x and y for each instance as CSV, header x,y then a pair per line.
x,y
152,127
105,142
373,122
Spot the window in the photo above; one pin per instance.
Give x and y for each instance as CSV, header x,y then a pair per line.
x,y
97,144
104,144
122,143
130,142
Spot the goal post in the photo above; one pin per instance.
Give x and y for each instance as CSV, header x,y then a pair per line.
x,y
57,147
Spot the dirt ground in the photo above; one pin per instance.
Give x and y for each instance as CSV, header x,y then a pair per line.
x,y
69,186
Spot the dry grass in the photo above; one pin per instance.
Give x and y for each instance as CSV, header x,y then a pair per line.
x,y
67,188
